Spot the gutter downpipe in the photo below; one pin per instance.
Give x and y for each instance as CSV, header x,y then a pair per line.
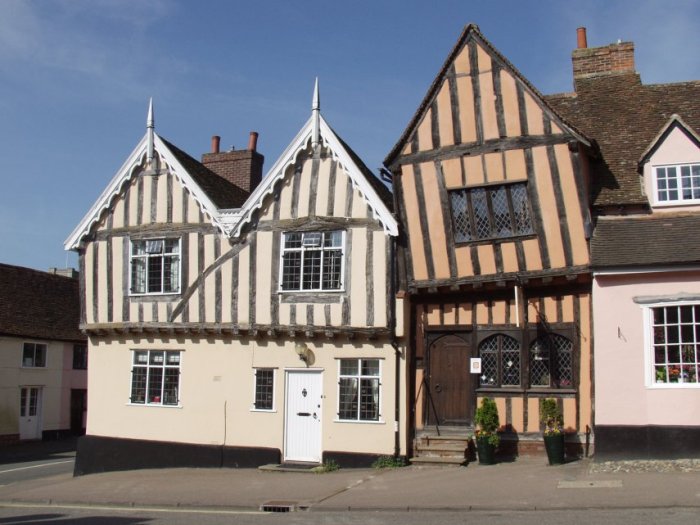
x,y
395,345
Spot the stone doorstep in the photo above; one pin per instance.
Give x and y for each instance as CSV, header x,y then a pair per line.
x,y
437,460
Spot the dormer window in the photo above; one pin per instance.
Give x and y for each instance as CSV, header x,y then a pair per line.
x,y
677,184
155,266
312,261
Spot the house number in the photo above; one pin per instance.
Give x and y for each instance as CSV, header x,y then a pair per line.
x,y
304,392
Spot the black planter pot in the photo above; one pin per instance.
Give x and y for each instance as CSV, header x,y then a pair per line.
x,y
486,451
554,445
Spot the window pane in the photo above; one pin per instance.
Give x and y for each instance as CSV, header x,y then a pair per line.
x,y
40,355
460,216
333,239
332,264
488,352
263,389
369,399
481,213
28,355
291,271
521,209
501,213
348,367
155,274
170,386
156,358
347,396
138,385
171,276
510,361
138,275
539,363
155,384
312,270
292,240
370,367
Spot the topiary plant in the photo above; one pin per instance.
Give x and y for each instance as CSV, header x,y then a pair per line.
x,y
486,418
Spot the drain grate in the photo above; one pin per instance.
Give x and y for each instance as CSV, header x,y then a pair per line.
x,y
278,506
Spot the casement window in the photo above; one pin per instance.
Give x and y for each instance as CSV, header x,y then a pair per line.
x,y
34,355
677,184
155,266
673,341
491,212
155,377
312,261
264,389
358,389
80,357
500,361
551,361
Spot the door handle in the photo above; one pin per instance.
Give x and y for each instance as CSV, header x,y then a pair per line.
x,y
438,388
304,414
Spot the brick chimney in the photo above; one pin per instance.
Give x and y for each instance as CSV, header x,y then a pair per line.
x,y
613,59
241,167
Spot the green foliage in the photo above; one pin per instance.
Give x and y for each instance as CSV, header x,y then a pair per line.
x,y
551,416
389,462
486,418
328,466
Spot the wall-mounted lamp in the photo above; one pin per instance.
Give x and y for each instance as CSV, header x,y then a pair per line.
x,y
303,352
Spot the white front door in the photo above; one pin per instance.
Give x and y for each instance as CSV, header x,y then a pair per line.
x,y
302,439
30,412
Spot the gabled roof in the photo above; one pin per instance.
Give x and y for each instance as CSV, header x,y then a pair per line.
x,y
363,180
643,241
472,32
624,116
209,190
675,122
39,305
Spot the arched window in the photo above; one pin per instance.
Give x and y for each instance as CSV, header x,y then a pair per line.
x,y
500,361
551,362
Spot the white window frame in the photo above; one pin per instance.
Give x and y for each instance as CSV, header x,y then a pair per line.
x,y
255,389
148,366
33,364
303,249
649,355
163,255
678,178
359,377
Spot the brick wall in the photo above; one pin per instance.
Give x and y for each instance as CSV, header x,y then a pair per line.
x,y
241,167
592,61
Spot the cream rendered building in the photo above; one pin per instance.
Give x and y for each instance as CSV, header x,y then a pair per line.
x,y
235,326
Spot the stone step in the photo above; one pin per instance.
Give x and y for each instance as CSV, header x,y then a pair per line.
x,y
437,460
442,441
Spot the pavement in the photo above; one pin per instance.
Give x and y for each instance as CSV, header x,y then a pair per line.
x,y
527,483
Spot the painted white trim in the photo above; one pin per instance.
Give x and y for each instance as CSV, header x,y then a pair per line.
x,y
300,143
679,189
130,291
359,376
649,372
274,389
127,171
281,290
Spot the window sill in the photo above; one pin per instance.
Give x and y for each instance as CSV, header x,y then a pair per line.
x,y
334,296
496,240
673,386
263,410
152,405
150,297
34,367
360,421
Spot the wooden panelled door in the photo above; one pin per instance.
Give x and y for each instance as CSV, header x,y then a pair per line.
x,y
450,400
302,440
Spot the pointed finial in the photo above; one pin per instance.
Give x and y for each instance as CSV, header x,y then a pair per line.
x,y
150,126
316,113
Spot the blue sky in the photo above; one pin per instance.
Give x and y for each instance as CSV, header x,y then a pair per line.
x,y
77,76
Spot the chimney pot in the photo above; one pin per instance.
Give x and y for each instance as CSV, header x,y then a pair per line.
x,y
253,141
582,41
215,142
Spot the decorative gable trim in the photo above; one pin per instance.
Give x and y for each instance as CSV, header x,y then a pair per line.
x,y
675,122
472,33
134,165
301,142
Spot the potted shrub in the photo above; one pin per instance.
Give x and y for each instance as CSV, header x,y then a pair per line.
x,y
551,417
487,439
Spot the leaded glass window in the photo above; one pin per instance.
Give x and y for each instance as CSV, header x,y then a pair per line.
x,y
155,377
500,361
551,362
155,266
491,212
312,261
358,389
